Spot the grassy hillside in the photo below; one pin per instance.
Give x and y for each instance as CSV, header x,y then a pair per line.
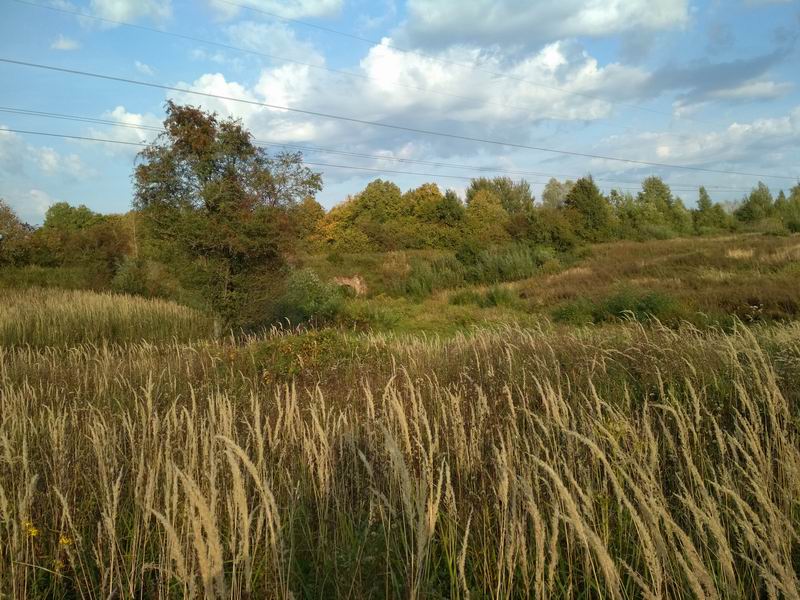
x,y
707,281
141,456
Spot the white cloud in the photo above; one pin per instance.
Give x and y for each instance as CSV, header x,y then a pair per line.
x,y
53,163
767,144
442,22
754,90
16,154
290,9
392,87
12,149
144,69
132,10
64,43
276,39
30,205
132,134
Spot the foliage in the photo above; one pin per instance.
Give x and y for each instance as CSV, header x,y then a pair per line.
x,y
709,216
555,193
486,220
589,211
515,197
757,206
13,237
494,296
308,299
206,192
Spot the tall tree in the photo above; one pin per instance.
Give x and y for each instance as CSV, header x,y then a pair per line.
x,y
757,206
206,191
589,211
708,215
486,220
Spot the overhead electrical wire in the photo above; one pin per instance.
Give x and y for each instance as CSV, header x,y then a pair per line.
x,y
274,57
384,125
456,63
144,145
685,187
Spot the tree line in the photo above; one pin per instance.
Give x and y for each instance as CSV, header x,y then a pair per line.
x,y
216,220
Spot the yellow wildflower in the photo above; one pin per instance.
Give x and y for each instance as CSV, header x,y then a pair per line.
x,y
64,540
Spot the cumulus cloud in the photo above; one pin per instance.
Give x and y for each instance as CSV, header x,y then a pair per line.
x,y
53,163
762,143
439,23
143,128
16,154
30,205
64,43
397,87
290,9
276,39
132,10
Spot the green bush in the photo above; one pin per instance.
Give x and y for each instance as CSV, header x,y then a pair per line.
x,y
308,299
628,303
494,296
579,312
471,265
625,304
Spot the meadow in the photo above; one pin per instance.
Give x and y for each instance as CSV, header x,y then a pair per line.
x,y
141,456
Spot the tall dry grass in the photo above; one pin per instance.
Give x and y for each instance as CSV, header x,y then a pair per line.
x,y
47,317
622,463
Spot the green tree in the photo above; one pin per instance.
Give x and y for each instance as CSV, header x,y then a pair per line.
x,y
306,217
555,193
757,206
661,215
788,209
515,197
64,217
486,220
207,192
589,211
708,216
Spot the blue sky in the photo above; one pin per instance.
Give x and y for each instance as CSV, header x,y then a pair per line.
x,y
709,84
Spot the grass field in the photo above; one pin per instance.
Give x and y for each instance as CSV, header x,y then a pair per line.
x,y
141,457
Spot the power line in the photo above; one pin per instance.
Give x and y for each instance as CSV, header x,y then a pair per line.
x,y
142,145
456,63
685,187
283,59
384,125
305,162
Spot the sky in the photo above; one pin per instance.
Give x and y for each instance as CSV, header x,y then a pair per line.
x,y
706,84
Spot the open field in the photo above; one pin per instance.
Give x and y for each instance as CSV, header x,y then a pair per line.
x,y
622,461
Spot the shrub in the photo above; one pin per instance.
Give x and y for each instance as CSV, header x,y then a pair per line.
x,y
309,299
494,296
624,304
